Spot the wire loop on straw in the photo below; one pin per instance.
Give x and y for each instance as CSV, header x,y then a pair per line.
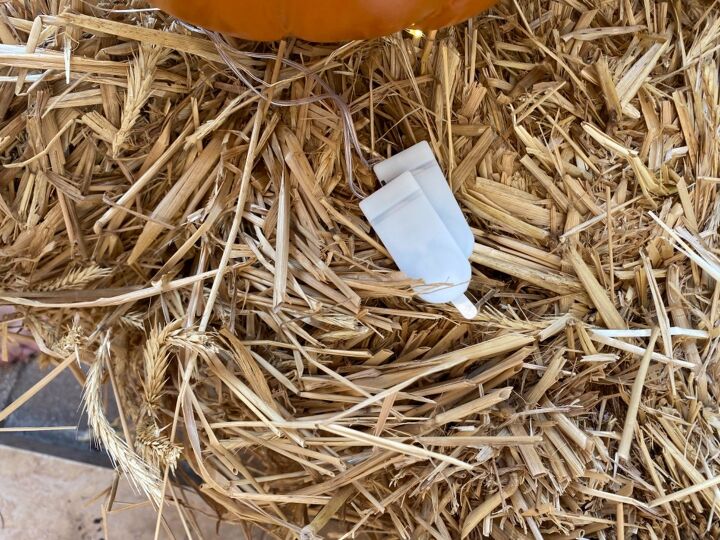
x,y
350,137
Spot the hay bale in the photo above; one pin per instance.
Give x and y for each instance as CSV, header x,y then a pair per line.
x,y
200,250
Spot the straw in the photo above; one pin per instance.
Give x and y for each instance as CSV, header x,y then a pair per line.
x,y
180,230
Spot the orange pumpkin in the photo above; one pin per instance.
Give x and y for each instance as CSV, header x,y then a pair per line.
x,y
321,20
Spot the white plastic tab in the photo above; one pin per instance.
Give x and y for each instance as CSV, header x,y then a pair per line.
x,y
419,241
466,308
420,161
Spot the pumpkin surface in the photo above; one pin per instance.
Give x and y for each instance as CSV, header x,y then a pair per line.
x,y
321,20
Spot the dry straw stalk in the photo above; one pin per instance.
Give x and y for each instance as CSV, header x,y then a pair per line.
x,y
193,251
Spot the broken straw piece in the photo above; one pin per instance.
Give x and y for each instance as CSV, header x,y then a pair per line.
x,y
419,242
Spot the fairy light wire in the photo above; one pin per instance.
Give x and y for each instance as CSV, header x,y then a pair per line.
x,y
350,137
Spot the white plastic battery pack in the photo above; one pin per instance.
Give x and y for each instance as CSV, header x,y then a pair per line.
x,y
420,161
420,223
